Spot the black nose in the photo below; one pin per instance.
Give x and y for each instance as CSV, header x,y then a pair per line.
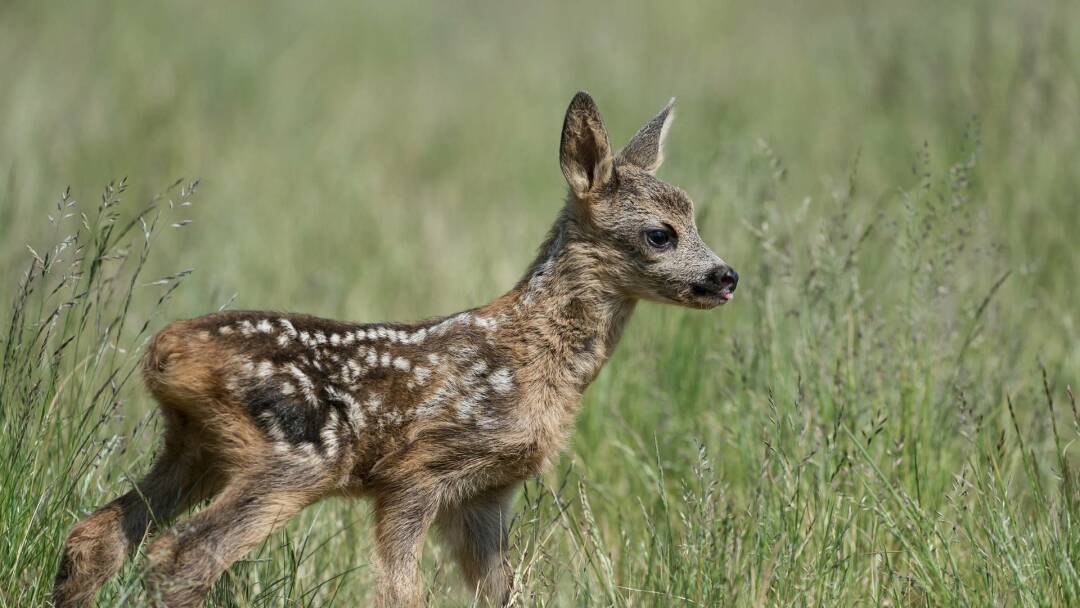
x,y
724,278
729,278
720,281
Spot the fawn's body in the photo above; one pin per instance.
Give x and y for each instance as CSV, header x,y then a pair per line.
x,y
438,422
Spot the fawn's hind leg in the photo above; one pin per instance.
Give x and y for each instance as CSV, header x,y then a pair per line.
x,y
476,533
98,545
186,560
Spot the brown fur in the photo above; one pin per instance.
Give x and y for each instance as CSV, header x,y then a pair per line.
x,y
438,422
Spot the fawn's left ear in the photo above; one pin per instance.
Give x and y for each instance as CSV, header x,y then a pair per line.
x,y
646,148
584,152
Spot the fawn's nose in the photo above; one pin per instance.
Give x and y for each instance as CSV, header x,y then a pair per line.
x,y
722,278
728,278
719,282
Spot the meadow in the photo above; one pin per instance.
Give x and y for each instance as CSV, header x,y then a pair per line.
x,y
882,417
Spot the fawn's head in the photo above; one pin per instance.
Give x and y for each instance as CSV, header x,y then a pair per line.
x,y
641,227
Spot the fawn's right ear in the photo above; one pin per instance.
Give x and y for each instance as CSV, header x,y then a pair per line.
x,y
584,152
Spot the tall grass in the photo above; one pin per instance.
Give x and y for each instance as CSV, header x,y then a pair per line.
x,y
883,416
77,323
875,463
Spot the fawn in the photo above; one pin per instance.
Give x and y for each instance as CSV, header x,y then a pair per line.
x,y
438,422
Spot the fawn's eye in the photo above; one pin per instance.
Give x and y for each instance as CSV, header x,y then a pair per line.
x,y
659,238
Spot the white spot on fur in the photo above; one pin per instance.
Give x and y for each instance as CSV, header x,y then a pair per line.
x,y
433,403
353,412
246,327
308,450
355,367
265,370
286,388
283,339
443,326
372,357
320,337
422,374
225,330
465,406
486,323
402,364
501,380
433,358
335,339
306,385
385,360
373,403
305,338
264,326
273,429
288,327
328,436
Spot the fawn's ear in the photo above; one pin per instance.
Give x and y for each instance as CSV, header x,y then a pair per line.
x,y
646,148
584,152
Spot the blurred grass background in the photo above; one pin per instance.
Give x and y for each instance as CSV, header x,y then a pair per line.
x,y
838,435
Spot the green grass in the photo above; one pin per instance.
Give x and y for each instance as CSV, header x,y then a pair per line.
x,y
881,417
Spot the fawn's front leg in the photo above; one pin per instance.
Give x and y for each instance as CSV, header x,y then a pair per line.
x,y
402,517
476,532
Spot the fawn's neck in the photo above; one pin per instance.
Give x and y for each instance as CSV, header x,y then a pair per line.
x,y
568,317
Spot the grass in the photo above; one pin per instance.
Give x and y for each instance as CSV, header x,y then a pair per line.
x,y
882,417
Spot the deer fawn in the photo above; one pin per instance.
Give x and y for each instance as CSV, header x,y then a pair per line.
x,y
437,422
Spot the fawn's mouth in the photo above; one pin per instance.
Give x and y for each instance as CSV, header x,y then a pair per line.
x,y
706,296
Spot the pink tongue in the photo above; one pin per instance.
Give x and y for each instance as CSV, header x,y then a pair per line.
x,y
727,295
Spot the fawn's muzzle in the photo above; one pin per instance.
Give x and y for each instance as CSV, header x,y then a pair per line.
x,y
719,284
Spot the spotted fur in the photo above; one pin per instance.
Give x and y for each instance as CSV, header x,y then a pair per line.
x,y
437,422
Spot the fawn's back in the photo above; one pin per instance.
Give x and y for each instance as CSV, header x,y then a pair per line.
x,y
340,396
